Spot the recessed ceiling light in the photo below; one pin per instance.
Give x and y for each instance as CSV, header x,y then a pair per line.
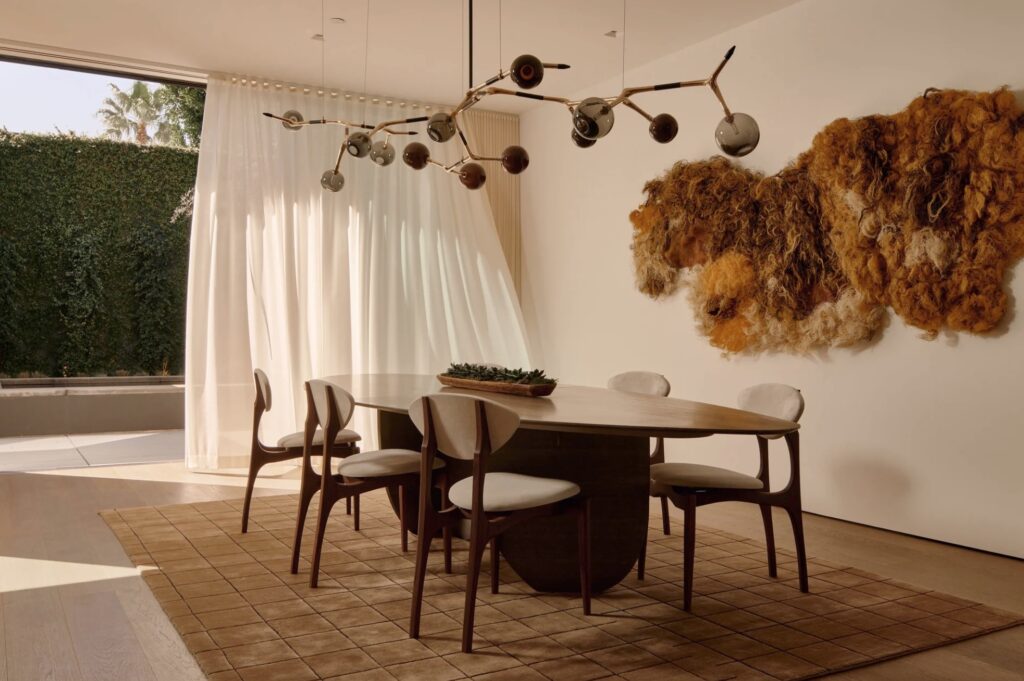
x,y
612,34
317,36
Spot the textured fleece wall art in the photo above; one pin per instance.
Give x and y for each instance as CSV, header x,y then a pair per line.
x,y
921,211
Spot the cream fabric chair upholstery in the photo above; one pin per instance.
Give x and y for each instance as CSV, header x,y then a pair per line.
x,y
472,429
288,447
345,436
648,383
690,485
512,492
383,462
700,476
640,382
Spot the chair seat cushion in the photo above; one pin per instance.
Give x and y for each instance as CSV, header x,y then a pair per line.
x,y
383,462
293,440
698,476
512,492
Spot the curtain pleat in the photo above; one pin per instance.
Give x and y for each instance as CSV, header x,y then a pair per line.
x,y
490,133
401,271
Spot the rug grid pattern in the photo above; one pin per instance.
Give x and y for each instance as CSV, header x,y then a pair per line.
x,y
246,618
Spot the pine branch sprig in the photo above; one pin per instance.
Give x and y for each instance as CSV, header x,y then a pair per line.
x,y
498,374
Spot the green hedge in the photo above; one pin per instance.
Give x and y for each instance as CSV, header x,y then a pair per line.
x,y
93,255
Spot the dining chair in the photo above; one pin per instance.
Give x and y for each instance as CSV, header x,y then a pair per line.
x,y
287,448
647,383
689,485
329,407
472,429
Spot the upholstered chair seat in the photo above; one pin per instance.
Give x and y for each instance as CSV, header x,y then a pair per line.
x,y
294,440
698,476
383,462
512,492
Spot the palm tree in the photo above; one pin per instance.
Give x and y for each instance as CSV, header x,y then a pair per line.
x,y
130,115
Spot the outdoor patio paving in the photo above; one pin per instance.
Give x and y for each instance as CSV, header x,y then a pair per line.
x,y
49,452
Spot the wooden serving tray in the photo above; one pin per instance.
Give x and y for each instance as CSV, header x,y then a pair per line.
x,y
522,389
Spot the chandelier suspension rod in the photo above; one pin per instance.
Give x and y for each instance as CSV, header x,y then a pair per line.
x,y
470,44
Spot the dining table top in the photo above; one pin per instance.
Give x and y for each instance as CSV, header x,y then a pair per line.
x,y
575,408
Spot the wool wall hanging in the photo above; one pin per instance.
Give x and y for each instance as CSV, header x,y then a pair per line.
x,y
921,211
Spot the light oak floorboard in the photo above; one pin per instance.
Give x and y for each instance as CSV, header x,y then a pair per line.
x,y
68,611
3,642
110,627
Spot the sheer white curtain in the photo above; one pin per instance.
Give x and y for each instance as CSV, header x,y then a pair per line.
x,y
401,271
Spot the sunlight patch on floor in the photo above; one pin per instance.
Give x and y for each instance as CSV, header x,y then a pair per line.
x,y
19,574
282,476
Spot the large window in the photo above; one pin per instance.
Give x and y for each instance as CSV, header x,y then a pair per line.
x,y
96,178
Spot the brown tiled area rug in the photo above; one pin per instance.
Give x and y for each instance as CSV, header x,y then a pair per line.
x,y
245,617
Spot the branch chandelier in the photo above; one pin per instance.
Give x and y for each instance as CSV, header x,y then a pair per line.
x,y
737,133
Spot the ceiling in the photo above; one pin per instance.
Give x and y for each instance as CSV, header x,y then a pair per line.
x,y
416,48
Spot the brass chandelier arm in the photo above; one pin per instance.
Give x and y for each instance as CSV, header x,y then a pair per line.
x,y
453,168
592,117
341,153
319,121
474,95
629,103
711,81
528,95
400,121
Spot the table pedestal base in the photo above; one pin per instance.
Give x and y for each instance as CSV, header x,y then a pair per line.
x,y
613,472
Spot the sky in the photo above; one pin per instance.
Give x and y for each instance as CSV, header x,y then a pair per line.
x,y
42,99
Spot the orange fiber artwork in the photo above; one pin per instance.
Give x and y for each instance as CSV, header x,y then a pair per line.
x,y
921,211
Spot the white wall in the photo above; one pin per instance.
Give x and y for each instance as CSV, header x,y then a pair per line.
x,y
908,434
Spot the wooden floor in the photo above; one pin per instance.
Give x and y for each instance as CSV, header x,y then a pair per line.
x,y
72,606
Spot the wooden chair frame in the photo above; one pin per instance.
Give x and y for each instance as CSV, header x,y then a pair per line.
x,y
657,456
689,498
485,527
334,488
260,455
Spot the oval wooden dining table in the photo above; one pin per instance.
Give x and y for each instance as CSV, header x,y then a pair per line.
x,y
598,438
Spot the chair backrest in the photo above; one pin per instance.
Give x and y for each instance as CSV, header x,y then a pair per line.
x,y
642,382
773,399
323,394
262,388
456,422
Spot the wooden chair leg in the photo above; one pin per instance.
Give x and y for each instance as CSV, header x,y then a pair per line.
x,y
769,538
306,493
425,535
254,468
348,505
327,500
446,536
641,562
797,519
355,513
689,548
446,532
403,513
477,545
495,564
583,540
666,526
